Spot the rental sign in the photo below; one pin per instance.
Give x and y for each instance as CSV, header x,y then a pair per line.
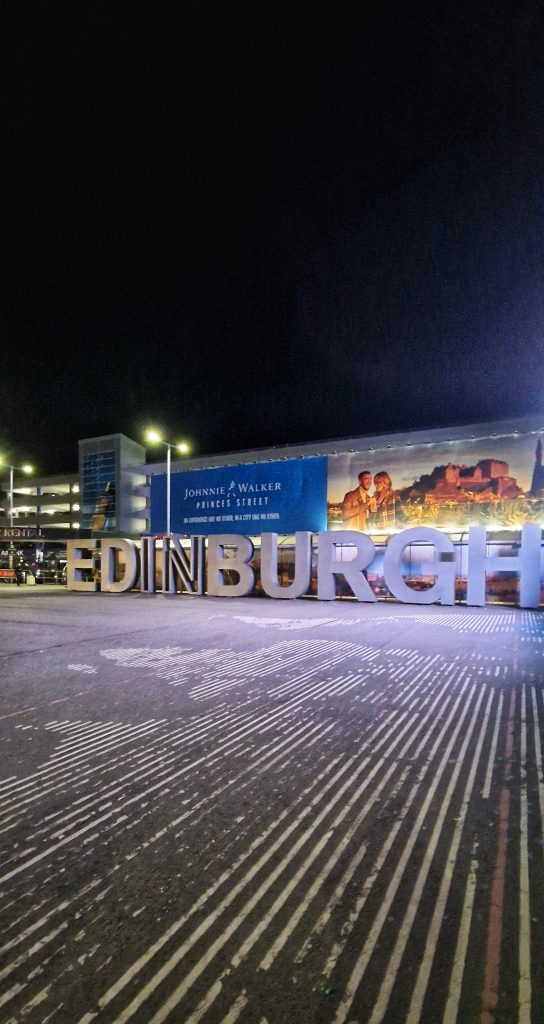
x,y
221,565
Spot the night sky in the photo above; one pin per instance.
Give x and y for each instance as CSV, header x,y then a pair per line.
x,y
257,223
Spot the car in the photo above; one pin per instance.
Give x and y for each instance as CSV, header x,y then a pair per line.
x,y
51,573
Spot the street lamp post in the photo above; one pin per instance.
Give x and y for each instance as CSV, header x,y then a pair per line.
x,y
155,438
23,469
11,468
168,469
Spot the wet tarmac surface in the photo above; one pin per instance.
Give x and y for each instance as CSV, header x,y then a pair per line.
x,y
269,812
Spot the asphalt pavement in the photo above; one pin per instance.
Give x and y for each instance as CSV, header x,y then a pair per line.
x,y
270,812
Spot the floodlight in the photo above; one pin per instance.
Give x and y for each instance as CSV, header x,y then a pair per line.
x,y
153,436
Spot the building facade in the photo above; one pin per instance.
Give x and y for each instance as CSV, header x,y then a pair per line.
x,y
450,479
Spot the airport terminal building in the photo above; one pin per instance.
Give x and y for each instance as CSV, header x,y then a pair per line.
x,y
449,479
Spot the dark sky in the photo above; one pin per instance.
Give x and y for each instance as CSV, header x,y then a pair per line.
x,y
256,223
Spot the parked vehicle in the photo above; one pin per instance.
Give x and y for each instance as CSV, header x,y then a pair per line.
x,y
51,572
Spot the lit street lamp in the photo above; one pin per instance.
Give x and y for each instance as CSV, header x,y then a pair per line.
x,y
154,437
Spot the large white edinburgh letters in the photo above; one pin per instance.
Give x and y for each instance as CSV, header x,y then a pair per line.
x,y
79,566
241,552
183,567
443,567
115,554
526,564
269,565
330,545
345,553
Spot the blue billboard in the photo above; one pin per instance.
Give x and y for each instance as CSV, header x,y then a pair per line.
x,y
279,497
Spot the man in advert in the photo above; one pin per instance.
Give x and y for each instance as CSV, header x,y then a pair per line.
x,y
358,504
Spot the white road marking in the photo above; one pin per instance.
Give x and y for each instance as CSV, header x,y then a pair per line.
x,y
459,957
538,753
426,965
225,877
362,962
525,994
236,1009
486,790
